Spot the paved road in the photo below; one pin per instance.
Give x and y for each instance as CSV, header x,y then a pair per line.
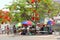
x,y
38,37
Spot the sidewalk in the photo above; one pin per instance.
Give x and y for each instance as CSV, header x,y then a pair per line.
x,y
36,37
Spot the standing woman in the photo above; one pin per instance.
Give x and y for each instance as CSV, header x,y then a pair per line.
x,y
7,30
2,27
14,29
0,30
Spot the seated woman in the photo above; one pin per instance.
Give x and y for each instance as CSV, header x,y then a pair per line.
x,y
33,30
24,31
44,30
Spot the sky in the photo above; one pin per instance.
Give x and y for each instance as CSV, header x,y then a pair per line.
x,y
4,2
56,0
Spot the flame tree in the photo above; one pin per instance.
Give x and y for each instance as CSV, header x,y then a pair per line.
x,y
32,9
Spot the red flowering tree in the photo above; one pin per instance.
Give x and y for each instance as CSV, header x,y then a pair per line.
x,y
4,16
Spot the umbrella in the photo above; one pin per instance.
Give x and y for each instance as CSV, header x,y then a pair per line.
x,y
33,23
18,25
29,22
25,25
24,22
